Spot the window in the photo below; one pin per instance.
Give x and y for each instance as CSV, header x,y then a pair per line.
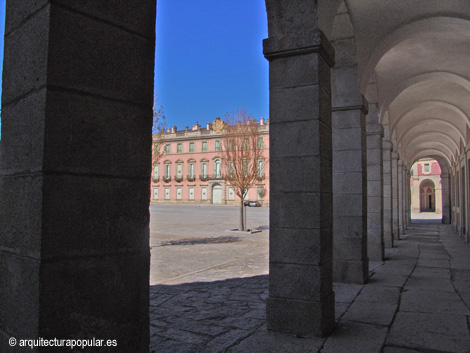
x,y
167,193
217,145
204,170
167,148
155,193
260,168
191,147
217,168
178,193
155,172
179,171
426,168
231,169
231,193
167,171
260,142
246,144
191,171
204,146
260,191
204,193
245,168
191,192
179,148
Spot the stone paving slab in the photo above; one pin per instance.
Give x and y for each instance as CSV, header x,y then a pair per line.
x,y
432,302
405,307
436,332
354,337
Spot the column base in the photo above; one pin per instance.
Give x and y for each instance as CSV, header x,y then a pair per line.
x,y
375,252
301,317
351,271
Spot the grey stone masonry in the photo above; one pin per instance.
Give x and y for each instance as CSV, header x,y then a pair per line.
x,y
400,196
387,193
395,228
301,297
74,188
375,237
446,207
350,262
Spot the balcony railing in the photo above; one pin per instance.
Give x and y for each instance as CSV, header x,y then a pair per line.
x,y
167,178
260,177
155,178
204,177
216,176
191,177
179,178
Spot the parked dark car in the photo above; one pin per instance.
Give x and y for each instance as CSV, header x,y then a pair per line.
x,y
252,203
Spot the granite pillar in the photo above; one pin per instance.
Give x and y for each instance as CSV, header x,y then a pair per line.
x,y
400,196
350,262
301,298
75,163
395,228
375,238
387,193
446,206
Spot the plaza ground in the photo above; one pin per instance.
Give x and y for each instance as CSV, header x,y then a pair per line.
x,y
208,290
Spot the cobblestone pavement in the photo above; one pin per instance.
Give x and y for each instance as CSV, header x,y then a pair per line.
x,y
417,301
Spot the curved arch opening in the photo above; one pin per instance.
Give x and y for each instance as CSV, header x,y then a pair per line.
x,y
426,191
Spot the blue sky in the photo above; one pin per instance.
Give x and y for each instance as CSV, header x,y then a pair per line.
x,y
208,59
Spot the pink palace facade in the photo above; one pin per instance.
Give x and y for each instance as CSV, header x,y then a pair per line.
x,y
190,170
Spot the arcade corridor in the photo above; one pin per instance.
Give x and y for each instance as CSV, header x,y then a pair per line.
x,y
358,90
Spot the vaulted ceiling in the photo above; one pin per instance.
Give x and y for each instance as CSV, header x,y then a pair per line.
x,y
417,54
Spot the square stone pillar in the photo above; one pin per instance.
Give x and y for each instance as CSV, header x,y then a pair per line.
x,y
415,201
350,261
75,160
387,193
301,298
401,199
446,207
408,197
375,239
395,228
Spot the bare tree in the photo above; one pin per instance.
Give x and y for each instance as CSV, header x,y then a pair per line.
x,y
241,153
158,127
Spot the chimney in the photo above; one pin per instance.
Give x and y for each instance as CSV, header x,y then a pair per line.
x,y
186,128
208,126
261,121
173,129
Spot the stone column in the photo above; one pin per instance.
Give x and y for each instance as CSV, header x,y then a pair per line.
x,y
415,197
445,185
301,298
407,198
350,262
75,162
395,228
375,239
387,192
400,196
